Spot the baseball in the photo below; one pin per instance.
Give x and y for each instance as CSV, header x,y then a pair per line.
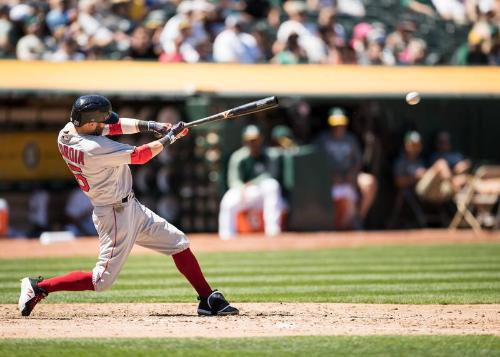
x,y
413,98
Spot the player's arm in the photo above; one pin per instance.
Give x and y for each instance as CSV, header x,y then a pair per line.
x,y
133,126
142,154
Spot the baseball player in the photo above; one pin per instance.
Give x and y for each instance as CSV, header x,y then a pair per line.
x,y
251,184
100,166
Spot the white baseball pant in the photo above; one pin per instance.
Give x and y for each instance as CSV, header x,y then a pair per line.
x,y
265,195
120,226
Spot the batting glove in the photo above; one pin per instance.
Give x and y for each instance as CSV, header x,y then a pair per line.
x,y
159,129
176,132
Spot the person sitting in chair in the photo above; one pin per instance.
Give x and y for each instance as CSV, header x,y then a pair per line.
x,y
431,184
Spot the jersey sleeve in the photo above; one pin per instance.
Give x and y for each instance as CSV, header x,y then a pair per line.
x,y
124,126
234,178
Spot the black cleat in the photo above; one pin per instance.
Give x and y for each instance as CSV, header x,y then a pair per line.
x,y
215,304
31,294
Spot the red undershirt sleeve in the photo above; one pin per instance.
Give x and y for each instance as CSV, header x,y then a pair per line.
x,y
115,129
141,155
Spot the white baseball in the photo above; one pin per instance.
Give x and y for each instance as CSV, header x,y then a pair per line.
x,y
413,98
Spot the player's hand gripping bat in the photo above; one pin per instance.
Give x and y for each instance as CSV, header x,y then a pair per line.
x,y
249,108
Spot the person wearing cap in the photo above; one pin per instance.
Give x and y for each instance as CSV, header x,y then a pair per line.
x,y
252,185
431,184
409,167
353,191
282,136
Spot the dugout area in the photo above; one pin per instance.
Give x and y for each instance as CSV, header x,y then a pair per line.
x,y
186,183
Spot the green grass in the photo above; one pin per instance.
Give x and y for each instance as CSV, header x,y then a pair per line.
x,y
466,273
413,346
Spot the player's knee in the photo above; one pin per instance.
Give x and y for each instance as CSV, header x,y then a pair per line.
x,y
270,186
230,200
102,285
101,279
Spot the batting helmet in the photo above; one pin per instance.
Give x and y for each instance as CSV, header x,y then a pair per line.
x,y
92,108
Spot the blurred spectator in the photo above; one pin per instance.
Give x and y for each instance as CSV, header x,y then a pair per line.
x,y
233,45
252,185
5,32
31,46
415,53
457,163
282,138
327,18
451,10
78,211
369,41
405,46
140,45
185,31
292,53
180,46
60,14
146,30
432,184
67,51
353,8
348,182
90,21
308,37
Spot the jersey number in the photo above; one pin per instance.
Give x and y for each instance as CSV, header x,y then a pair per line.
x,y
82,181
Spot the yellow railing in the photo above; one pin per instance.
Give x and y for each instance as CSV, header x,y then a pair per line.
x,y
244,80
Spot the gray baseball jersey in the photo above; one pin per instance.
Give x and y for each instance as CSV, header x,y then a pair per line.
x,y
99,164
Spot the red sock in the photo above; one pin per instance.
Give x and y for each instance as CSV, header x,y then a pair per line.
x,y
187,264
74,281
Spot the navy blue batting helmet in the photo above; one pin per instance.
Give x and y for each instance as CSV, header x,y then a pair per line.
x,y
92,108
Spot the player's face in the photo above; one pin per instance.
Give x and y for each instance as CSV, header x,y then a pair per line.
x,y
254,145
413,148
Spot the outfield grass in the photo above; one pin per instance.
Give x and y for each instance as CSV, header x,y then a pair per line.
x,y
466,273
414,346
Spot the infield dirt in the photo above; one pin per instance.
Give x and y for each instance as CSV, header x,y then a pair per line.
x,y
256,319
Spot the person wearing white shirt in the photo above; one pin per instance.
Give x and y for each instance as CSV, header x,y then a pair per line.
x,y
235,46
308,35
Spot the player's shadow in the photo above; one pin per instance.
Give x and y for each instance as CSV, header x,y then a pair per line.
x,y
172,315
260,314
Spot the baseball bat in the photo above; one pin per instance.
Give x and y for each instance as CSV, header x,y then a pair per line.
x,y
249,108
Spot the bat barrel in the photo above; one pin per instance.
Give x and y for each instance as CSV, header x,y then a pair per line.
x,y
249,108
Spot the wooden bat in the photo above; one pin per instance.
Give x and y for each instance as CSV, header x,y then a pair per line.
x,y
249,108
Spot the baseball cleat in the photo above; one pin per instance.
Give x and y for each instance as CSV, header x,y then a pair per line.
x,y
31,294
216,304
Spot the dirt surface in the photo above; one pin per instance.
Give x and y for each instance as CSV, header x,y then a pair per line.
x,y
256,320
263,319
287,241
